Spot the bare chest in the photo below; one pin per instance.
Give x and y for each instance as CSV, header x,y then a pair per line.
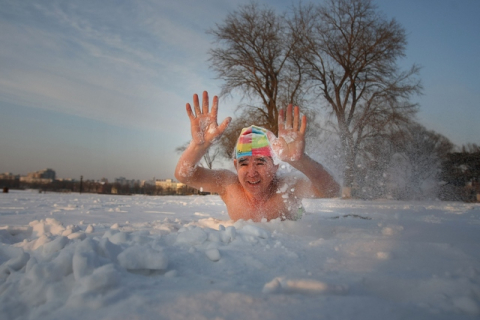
x,y
279,205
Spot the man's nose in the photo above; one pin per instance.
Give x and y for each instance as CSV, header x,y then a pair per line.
x,y
252,169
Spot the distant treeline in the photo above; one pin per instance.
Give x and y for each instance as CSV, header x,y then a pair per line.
x,y
460,176
458,180
90,186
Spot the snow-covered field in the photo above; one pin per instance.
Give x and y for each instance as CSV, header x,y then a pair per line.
x,y
87,256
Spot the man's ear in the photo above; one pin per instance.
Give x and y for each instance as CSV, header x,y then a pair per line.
x,y
235,163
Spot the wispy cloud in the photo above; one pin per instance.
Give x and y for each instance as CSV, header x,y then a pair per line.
x,y
122,64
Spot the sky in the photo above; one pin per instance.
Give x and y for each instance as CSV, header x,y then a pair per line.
x,y
98,88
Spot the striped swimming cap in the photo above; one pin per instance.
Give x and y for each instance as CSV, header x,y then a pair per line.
x,y
253,141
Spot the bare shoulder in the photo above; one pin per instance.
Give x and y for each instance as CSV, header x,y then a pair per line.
x,y
215,181
224,177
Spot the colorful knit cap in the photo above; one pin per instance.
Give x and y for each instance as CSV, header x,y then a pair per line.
x,y
253,141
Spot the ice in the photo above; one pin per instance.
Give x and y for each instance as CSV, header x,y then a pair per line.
x,y
343,260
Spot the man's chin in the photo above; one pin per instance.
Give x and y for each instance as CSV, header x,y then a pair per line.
x,y
257,186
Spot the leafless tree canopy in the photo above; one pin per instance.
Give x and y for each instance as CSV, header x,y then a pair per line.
x,y
255,57
339,56
350,51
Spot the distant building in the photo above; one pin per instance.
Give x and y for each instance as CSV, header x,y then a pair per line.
x,y
9,176
9,180
121,180
170,184
42,176
147,183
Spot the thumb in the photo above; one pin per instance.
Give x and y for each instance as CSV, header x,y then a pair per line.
x,y
223,126
271,137
275,143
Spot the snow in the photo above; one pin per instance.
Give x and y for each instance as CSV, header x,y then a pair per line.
x,y
88,256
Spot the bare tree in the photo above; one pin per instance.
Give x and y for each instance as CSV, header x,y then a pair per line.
x,y
351,53
255,56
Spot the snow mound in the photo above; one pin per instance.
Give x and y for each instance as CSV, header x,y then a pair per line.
x,y
141,257
78,257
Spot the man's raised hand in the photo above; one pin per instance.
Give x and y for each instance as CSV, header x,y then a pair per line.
x,y
203,124
290,144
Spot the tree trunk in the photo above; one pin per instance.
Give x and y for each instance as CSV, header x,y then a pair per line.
x,y
350,168
348,175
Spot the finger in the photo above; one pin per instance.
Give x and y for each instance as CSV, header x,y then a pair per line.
x,y
205,102
196,105
303,126
281,120
296,118
189,112
271,136
288,123
223,126
215,107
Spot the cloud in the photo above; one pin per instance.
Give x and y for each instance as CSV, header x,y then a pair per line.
x,y
123,64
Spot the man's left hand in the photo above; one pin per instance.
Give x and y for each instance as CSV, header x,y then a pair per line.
x,y
290,144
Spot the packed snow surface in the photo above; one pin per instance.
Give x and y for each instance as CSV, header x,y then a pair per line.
x,y
87,256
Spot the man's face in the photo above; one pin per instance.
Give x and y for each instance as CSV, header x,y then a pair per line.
x,y
255,173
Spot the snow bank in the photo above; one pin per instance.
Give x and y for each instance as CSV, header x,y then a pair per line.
x,y
90,256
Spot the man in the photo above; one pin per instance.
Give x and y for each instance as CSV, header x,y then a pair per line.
x,y
256,191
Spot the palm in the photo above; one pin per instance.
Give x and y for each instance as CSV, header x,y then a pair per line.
x,y
204,129
203,123
290,144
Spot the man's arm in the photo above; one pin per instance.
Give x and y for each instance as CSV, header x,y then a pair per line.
x,y
205,131
321,184
290,147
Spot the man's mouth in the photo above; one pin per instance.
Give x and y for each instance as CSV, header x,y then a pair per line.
x,y
253,182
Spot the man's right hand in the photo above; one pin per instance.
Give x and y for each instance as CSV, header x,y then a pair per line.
x,y
204,126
